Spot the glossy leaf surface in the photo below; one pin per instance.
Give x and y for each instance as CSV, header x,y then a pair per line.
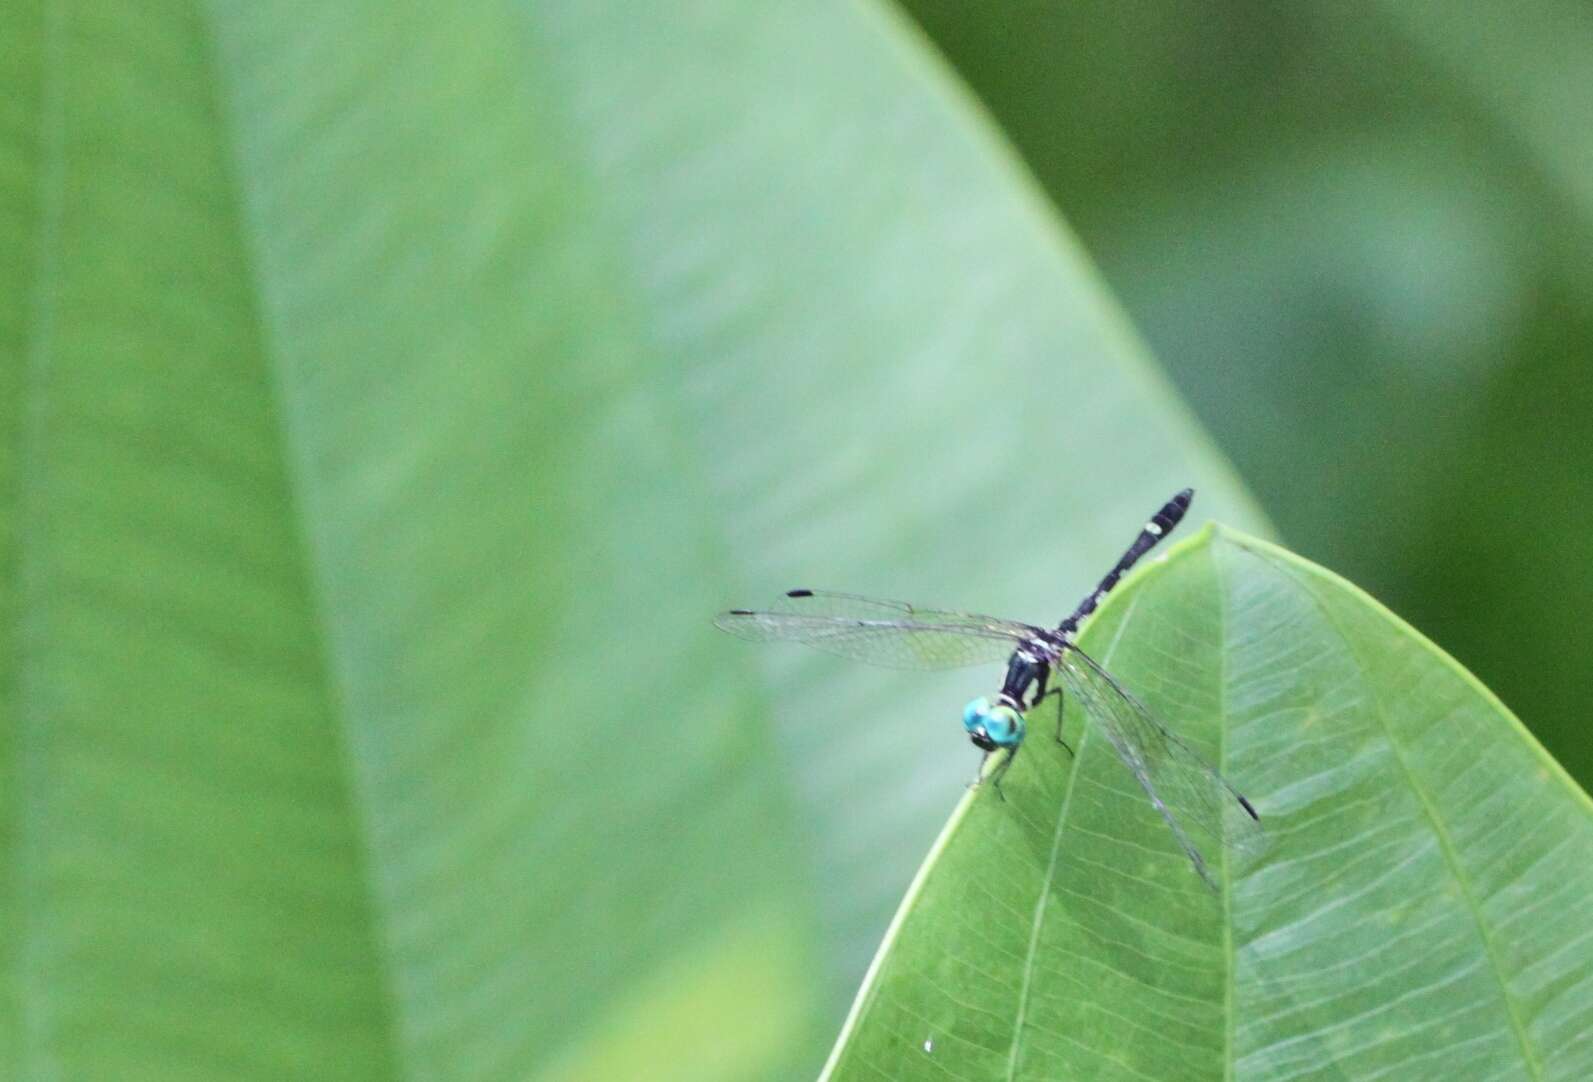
x,y
1421,908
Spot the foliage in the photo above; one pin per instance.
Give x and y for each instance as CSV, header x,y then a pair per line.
x,y
1413,915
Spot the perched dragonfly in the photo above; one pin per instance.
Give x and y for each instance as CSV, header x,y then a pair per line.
x,y
1188,792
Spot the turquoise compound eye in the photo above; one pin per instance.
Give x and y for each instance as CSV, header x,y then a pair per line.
x,y
974,714
1004,726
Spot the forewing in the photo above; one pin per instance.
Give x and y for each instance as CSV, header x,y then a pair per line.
x,y
1198,803
889,633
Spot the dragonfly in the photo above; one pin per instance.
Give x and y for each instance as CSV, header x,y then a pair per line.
x,y
1191,795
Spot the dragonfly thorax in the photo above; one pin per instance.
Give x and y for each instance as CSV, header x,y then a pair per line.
x,y
1027,668
992,725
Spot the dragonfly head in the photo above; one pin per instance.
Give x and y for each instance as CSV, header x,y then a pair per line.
x,y
992,726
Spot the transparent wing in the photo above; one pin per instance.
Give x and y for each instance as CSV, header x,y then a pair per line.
x,y
1198,803
890,633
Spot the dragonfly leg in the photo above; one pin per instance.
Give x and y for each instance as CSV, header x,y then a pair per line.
x,y
1000,771
1058,693
979,774
995,775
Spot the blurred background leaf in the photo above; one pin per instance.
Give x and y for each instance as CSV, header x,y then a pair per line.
x,y
1357,237
391,396
1420,909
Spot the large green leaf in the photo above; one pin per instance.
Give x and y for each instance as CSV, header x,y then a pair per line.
x,y
1421,909
391,395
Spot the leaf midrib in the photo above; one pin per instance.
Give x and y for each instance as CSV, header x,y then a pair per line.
x,y
1221,608
30,1048
1038,922
299,485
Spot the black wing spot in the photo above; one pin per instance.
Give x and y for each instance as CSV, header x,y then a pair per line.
x,y
1248,807
740,612
799,593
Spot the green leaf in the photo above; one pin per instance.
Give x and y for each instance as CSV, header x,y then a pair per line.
x,y
391,395
1421,909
